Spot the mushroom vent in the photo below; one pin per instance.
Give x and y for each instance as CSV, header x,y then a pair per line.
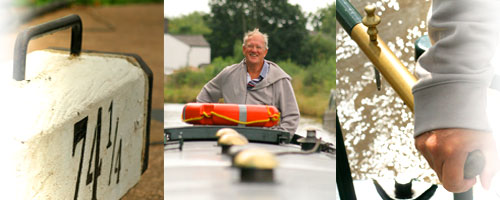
x,y
309,141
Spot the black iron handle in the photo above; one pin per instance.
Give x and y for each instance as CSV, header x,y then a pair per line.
x,y
21,47
474,164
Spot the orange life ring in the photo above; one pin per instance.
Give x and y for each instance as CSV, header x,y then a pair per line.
x,y
230,114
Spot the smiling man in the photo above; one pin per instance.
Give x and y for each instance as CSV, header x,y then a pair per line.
x,y
255,81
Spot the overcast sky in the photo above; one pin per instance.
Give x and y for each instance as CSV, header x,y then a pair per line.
x,y
176,8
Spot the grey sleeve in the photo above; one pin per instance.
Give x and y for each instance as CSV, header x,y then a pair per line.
x,y
456,71
211,92
287,104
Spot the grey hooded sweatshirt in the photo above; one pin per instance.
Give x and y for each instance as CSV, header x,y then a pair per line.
x,y
275,89
457,70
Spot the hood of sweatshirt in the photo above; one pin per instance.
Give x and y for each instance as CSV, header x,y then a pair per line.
x,y
274,74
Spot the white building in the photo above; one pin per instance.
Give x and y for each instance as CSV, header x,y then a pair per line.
x,y
185,50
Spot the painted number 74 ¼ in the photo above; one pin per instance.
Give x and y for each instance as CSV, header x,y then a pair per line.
x,y
93,172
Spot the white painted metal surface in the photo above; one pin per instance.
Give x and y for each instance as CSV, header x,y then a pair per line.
x,y
365,189
201,172
75,128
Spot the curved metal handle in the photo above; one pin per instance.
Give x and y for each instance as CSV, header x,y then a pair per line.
x,y
474,164
21,47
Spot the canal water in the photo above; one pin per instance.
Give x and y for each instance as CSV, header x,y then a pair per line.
x,y
173,118
377,126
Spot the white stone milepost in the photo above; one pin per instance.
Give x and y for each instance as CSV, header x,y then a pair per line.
x,y
76,128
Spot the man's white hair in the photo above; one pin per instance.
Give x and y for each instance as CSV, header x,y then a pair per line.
x,y
255,32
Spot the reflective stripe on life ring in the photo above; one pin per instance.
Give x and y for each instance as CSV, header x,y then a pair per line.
x,y
230,114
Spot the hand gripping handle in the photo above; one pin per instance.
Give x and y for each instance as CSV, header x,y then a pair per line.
x,y
474,164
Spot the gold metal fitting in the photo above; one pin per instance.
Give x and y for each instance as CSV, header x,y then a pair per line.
x,y
233,139
255,158
224,131
371,21
229,137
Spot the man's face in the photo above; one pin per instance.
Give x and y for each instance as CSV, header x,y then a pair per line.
x,y
255,49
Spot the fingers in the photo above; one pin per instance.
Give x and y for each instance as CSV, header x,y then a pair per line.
x,y
424,145
446,151
486,178
491,167
420,140
452,173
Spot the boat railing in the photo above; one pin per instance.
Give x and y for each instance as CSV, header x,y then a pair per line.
x,y
207,132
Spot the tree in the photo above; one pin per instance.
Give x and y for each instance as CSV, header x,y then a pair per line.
x,y
322,44
191,24
321,47
283,22
324,20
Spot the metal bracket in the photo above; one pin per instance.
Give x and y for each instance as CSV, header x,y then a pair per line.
x,y
21,47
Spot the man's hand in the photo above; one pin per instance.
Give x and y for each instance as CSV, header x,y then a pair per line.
x,y
446,151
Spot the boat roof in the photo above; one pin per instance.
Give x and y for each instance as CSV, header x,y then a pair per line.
x,y
201,171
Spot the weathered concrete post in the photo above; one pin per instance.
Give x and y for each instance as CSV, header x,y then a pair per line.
x,y
77,127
